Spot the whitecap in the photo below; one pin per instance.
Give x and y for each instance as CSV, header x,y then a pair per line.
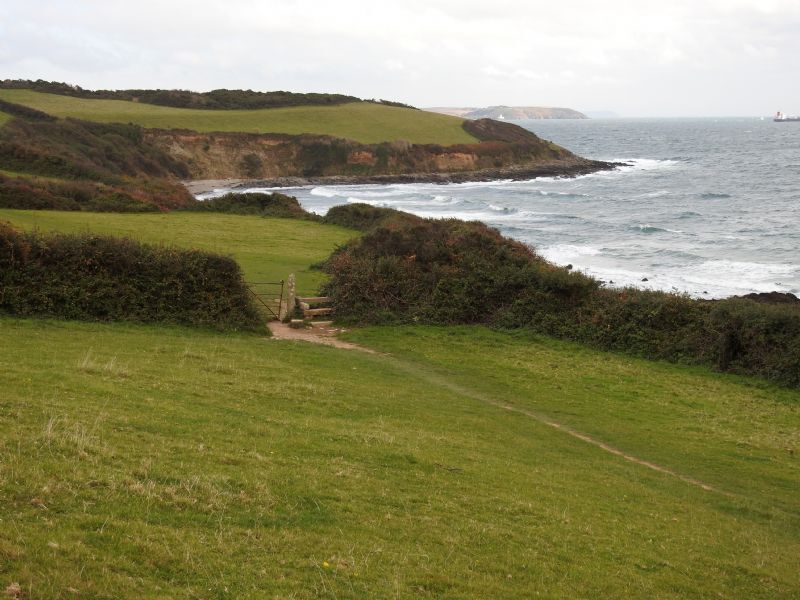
x,y
325,192
562,254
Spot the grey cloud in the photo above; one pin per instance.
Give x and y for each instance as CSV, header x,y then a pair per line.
x,y
637,58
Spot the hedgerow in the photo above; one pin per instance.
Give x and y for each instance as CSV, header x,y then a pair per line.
x,y
100,278
214,100
450,271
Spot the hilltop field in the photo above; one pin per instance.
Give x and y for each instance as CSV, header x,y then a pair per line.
x,y
144,461
363,122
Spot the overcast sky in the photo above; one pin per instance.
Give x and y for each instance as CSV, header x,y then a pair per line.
x,y
634,57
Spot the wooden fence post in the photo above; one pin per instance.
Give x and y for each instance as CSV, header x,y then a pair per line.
x,y
290,298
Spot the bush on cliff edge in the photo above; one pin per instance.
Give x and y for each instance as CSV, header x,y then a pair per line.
x,y
450,271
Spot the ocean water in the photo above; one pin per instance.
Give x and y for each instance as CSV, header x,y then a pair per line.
x,y
708,207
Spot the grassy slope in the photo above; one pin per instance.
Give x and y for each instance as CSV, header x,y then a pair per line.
x,y
267,249
364,122
4,118
144,462
740,435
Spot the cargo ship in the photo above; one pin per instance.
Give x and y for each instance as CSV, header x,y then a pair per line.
x,y
781,118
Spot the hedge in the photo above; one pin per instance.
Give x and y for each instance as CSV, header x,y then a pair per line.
x,y
101,278
450,271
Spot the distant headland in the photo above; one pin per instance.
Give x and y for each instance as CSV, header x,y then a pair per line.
x,y
512,113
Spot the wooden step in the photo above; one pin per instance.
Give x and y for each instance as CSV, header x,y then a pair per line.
x,y
314,299
317,312
320,323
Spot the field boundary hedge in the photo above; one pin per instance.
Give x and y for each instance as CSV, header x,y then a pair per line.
x,y
449,272
103,278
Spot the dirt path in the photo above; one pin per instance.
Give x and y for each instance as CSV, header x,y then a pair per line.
x,y
327,336
469,393
315,335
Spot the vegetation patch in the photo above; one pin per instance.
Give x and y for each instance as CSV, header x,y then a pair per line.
x,y
76,165
46,193
214,100
361,121
449,272
89,277
365,217
258,204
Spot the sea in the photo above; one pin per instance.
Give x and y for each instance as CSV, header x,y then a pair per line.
x,y
707,207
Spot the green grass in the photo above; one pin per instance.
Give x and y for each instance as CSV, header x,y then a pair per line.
x,y
8,173
4,118
741,435
363,122
268,249
149,462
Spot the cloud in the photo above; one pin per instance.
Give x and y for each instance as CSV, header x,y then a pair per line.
x,y
634,57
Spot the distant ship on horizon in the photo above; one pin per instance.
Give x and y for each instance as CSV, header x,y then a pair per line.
x,y
780,117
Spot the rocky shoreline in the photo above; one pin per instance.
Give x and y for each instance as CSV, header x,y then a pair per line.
x,y
520,173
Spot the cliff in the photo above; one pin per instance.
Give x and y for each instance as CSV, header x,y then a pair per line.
x,y
505,150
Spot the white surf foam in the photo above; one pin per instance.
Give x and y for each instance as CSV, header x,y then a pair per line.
x,y
325,192
562,254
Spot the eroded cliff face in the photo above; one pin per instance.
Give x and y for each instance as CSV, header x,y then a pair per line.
x,y
273,156
221,156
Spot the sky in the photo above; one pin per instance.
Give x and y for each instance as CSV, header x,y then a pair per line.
x,y
635,58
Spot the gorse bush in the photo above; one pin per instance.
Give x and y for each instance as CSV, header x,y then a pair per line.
x,y
72,149
365,217
66,164
88,277
446,271
264,205
449,271
33,193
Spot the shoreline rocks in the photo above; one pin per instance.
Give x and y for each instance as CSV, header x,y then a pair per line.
x,y
517,173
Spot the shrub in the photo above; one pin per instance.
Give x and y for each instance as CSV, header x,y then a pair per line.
x,y
444,271
447,272
316,157
76,165
88,277
364,217
252,165
264,205
72,149
755,337
215,99
40,194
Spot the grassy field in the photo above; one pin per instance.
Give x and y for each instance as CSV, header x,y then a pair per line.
x,y
739,435
4,118
268,249
363,122
149,462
